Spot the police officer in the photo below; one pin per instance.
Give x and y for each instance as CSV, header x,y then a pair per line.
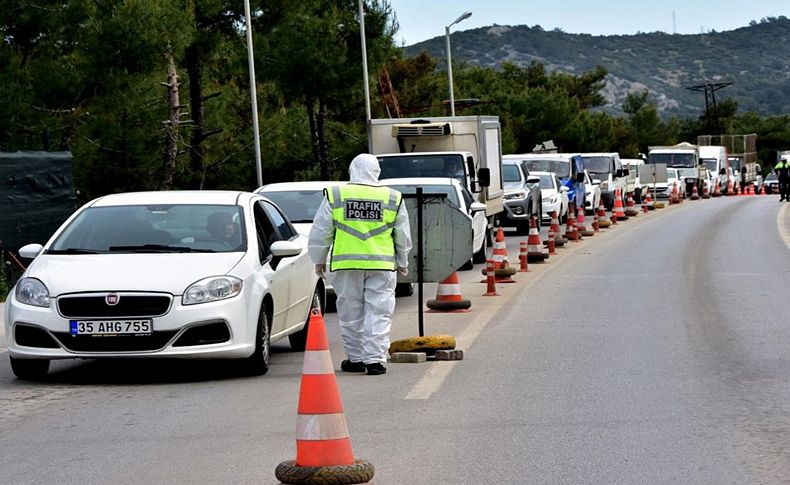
x,y
367,228
783,174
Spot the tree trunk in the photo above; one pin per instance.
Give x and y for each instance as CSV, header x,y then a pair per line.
x,y
194,73
171,126
323,157
314,139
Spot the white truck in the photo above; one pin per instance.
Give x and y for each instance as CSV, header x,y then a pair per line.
x,y
742,157
467,148
715,160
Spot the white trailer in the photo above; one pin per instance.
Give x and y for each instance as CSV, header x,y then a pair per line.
x,y
468,148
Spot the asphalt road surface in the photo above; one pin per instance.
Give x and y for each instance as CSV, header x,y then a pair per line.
x,y
655,352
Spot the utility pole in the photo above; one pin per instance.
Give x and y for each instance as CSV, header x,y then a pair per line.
x,y
712,119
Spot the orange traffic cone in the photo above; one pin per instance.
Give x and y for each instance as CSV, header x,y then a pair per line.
x,y
673,196
603,222
648,201
449,298
618,211
323,447
490,279
582,227
551,241
522,256
570,225
555,228
630,207
694,193
705,191
716,188
502,269
534,250
596,227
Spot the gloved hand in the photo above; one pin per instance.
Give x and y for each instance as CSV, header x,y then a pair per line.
x,y
320,269
403,271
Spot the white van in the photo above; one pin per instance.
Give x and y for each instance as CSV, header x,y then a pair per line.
x,y
715,160
608,173
633,184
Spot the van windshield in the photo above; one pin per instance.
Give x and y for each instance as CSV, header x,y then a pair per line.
x,y
560,167
421,165
597,164
673,159
711,164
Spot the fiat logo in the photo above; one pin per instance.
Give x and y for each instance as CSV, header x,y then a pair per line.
x,y
112,299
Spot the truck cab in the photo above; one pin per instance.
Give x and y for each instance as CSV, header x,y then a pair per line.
x,y
608,173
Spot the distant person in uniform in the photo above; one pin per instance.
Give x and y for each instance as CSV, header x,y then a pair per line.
x,y
782,170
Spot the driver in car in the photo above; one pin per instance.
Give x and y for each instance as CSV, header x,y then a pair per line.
x,y
222,228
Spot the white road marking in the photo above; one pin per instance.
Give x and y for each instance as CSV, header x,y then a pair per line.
x,y
438,371
784,233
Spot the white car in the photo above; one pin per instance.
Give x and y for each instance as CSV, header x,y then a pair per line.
x,y
663,190
184,274
554,195
592,194
460,197
299,200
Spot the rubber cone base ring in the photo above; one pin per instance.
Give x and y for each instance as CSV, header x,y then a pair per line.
x,y
289,473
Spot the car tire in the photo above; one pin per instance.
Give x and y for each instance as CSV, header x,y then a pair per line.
x,y
404,289
29,369
298,340
258,363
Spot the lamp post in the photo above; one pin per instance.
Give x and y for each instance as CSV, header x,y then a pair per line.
x,y
253,96
463,16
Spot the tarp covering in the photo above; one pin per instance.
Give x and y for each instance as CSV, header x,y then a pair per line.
x,y
36,196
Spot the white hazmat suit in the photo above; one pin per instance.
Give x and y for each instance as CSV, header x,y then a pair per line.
x,y
365,298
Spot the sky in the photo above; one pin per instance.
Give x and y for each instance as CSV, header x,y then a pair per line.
x,y
424,19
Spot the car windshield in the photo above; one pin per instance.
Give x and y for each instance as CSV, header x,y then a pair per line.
x,y
420,165
299,205
674,159
448,190
688,172
711,164
771,176
154,229
511,173
546,181
561,167
597,164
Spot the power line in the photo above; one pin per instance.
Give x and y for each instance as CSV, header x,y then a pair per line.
x,y
710,100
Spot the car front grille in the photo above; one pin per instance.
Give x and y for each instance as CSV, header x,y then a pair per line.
x,y
115,343
128,305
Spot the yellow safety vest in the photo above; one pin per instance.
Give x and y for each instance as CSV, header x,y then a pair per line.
x,y
364,217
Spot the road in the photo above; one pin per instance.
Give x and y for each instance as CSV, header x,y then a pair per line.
x,y
655,352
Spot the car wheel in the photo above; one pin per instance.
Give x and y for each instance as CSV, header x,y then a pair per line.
x,y
258,363
404,289
29,369
480,256
298,340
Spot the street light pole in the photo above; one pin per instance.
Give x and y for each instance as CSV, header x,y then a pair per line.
x,y
253,95
463,16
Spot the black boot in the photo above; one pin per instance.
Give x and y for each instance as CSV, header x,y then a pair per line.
x,y
376,369
349,366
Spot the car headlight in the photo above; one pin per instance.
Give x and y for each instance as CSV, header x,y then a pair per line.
x,y
211,289
518,194
32,292
550,200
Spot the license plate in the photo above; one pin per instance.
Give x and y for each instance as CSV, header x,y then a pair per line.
x,y
111,327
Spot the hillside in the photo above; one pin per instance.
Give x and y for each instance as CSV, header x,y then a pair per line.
x,y
755,58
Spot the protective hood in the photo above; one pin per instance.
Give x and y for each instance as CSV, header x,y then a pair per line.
x,y
364,169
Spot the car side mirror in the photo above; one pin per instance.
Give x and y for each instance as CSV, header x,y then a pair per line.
x,y
476,207
565,189
285,249
484,177
619,173
30,251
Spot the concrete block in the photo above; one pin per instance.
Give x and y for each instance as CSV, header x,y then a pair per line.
x,y
456,354
408,357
